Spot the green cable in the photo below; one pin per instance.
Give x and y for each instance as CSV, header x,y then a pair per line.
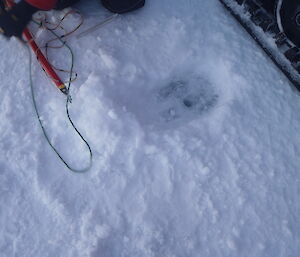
x,y
68,100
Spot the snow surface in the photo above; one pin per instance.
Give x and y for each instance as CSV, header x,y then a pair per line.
x,y
195,136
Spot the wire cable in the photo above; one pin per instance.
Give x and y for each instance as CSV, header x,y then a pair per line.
x,y
68,101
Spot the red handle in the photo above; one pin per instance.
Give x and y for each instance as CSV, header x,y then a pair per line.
x,y
41,58
44,62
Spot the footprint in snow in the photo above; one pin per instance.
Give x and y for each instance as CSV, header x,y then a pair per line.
x,y
184,98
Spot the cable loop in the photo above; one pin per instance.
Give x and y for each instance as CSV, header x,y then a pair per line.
x,y
69,82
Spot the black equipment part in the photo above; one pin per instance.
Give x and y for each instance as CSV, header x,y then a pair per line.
x,y
259,19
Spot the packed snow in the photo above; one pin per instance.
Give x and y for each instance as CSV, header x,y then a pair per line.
x,y
194,132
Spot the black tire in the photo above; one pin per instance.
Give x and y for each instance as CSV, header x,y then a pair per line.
x,y
122,6
269,5
290,20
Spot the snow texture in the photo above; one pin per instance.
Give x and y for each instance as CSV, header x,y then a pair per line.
x,y
195,135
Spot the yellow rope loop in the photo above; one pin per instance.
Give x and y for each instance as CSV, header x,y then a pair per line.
x,y
44,23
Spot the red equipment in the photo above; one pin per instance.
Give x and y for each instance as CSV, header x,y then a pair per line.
x,y
47,67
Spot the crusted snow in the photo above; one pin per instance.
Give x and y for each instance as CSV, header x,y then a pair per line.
x,y
195,135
